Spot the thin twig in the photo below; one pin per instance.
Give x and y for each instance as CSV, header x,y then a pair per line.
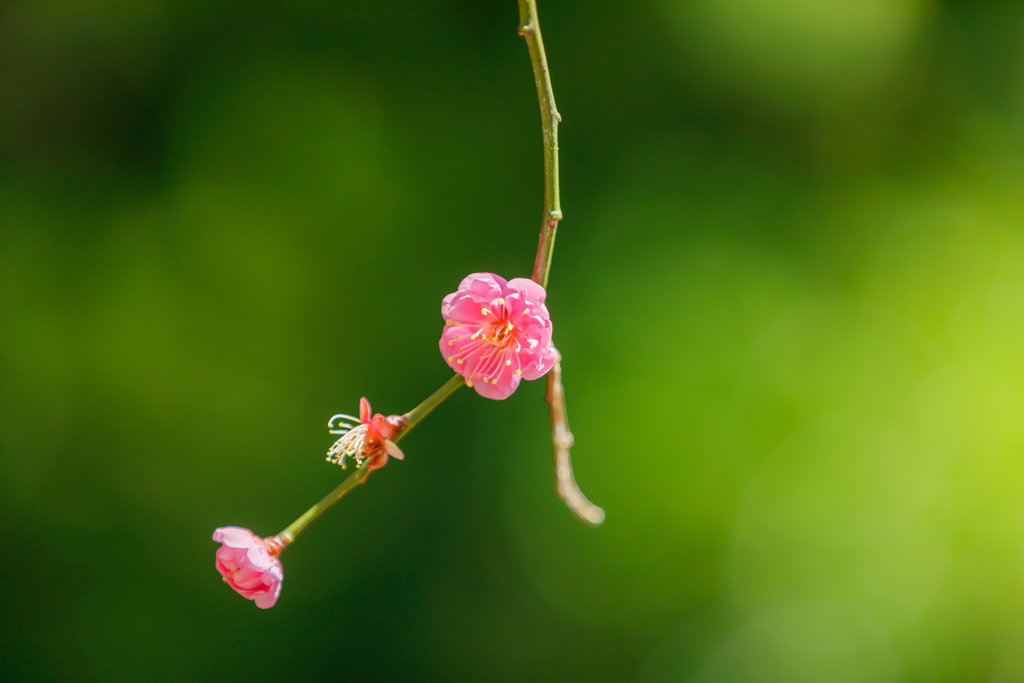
x,y
529,28
561,437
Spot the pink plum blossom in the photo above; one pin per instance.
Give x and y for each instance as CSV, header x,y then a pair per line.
x,y
249,564
496,333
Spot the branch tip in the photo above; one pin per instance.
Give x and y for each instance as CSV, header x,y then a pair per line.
x,y
562,440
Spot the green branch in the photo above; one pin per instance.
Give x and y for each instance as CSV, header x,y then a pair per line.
x,y
529,28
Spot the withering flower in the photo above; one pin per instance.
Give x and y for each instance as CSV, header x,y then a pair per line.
x,y
364,438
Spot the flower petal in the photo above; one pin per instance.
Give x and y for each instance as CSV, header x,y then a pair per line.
x,y
539,364
267,600
234,537
468,309
504,382
533,293
446,304
381,427
393,450
260,560
488,285
460,349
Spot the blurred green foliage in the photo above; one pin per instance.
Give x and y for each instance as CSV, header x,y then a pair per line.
x,y
789,290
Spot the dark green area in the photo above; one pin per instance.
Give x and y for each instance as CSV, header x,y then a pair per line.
x,y
789,291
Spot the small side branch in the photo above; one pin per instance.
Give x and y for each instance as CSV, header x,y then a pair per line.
x,y
561,440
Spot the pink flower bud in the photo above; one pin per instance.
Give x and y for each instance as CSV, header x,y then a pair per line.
x,y
496,333
249,564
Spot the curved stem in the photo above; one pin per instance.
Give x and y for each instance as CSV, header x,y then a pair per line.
x,y
529,28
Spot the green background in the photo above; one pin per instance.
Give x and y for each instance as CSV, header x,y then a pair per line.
x,y
789,291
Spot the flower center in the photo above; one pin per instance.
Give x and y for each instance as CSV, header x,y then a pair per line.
x,y
501,333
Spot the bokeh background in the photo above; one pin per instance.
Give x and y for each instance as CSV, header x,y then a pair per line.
x,y
789,290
